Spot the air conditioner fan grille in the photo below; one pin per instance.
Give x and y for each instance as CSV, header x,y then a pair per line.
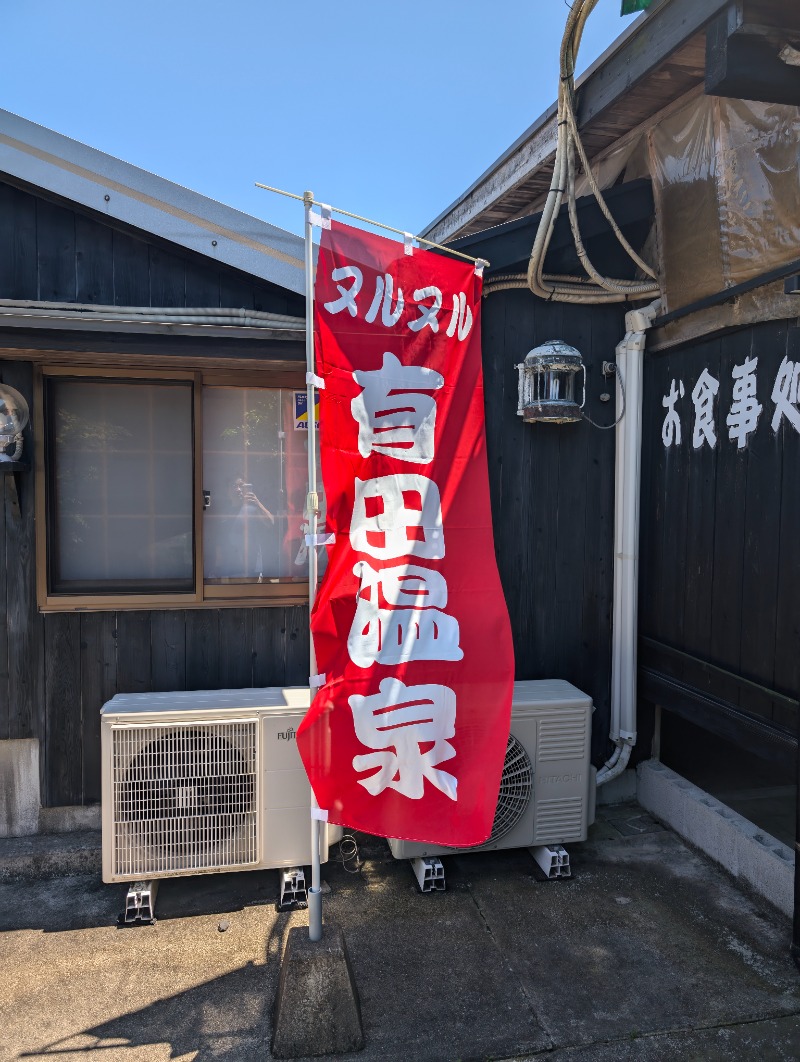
x,y
184,797
516,786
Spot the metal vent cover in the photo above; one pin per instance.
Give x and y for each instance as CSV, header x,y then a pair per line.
x,y
563,738
560,819
184,797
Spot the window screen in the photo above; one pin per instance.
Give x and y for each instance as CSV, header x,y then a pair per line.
x,y
120,485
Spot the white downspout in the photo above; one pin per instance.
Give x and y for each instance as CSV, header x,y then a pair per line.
x,y
630,373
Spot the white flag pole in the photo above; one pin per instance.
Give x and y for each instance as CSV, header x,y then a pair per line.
x,y
312,511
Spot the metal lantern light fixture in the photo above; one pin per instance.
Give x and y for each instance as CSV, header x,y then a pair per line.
x,y
14,416
547,384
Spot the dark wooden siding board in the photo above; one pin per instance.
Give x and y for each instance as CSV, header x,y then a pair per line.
x,y
297,645
268,647
761,527
94,262
19,278
675,463
25,625
699,559
536,498
202,284
235,656
512,548
202,649
98,655
272,299
787,640
167,278
168,649
56,252
63,728
496,375
236,293
729,494
131,271
574,442
522,518
649,526
133,652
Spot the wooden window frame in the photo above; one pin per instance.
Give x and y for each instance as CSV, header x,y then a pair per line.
x,y
231,595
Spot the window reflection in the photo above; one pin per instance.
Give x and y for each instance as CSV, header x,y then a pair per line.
x,y
255,471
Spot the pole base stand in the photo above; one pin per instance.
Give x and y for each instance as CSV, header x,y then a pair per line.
x,y
317,1010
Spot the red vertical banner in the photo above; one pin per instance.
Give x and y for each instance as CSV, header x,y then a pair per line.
x,y
407,734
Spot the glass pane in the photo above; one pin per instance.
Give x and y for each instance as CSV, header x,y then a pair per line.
x,y
255,470
121,485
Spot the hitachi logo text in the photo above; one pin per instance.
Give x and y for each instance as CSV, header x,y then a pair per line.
x,y
554,779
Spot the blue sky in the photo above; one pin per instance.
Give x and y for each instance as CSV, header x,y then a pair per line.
x,y
389,110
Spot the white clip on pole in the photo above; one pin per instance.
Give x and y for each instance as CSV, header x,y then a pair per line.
x,y
480,265
315,892
320,540
323,219
408,243
315,381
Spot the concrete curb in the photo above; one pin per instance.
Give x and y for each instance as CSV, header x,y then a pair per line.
x,y
50,856
741,847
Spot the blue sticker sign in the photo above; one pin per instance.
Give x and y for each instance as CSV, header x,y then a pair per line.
x,y
301,411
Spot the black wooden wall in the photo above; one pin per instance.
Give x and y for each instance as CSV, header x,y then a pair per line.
x,y
57,670
720,578
552,490
54,252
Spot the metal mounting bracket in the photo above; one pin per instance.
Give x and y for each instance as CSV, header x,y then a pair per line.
x,y
429,873
140,904
294,893
553,859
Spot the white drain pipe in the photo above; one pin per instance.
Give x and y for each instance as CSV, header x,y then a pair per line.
x,y
630,374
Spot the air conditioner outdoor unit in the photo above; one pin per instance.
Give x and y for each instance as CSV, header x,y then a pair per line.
x,y
203,782
547,787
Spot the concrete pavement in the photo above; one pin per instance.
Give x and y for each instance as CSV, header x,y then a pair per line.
x,y
649,953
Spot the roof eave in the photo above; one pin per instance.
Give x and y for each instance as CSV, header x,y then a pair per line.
x,y
597,87
45,159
